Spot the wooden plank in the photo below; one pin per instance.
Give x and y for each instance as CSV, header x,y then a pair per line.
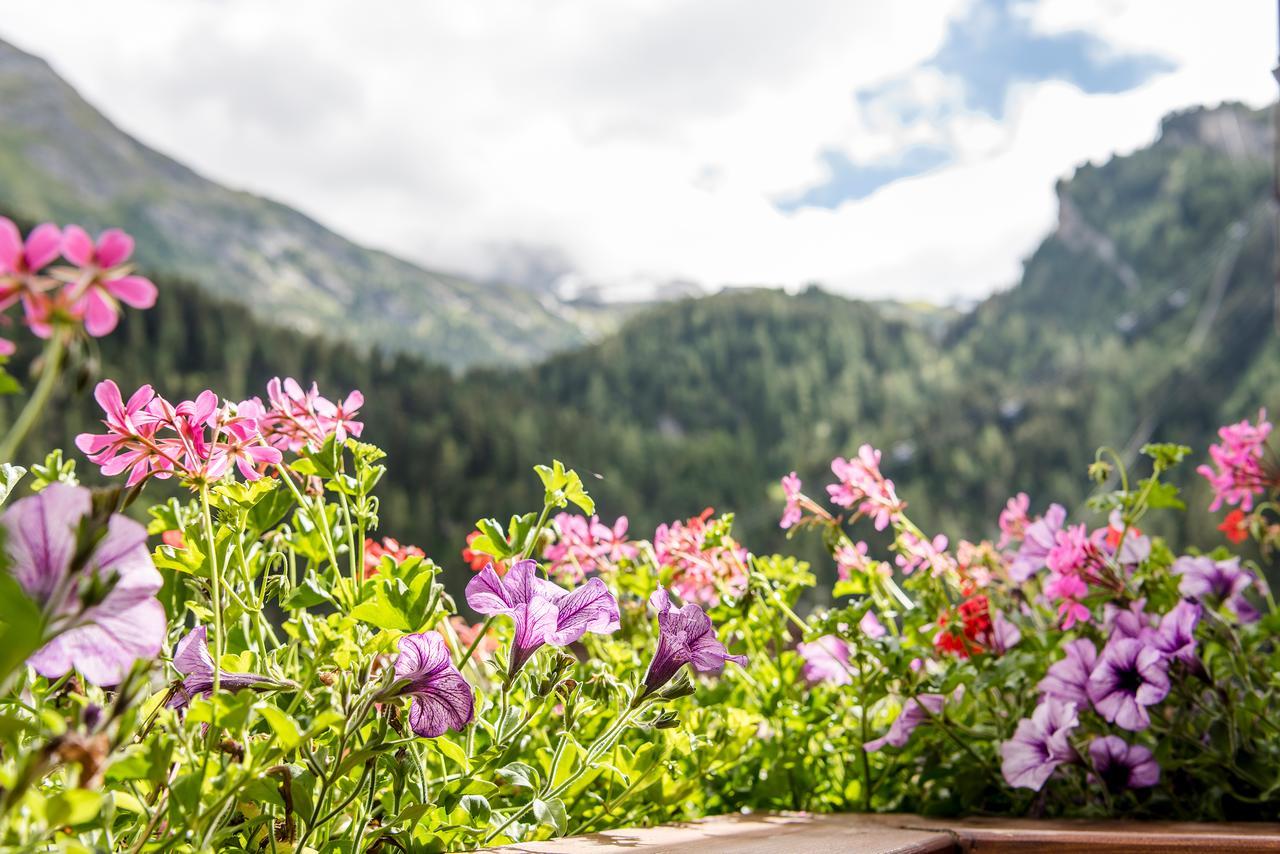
x,y
1106,836
759,834
907,834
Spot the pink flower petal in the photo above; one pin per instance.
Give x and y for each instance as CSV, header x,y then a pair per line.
x,y
100,316
77,246
44,245
114,248
133,290
10,245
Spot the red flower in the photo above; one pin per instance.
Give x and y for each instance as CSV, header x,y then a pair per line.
x,y
373,553
479,560
1235,527
975,615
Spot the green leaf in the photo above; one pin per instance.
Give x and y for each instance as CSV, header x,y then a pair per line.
x,y
21,625
10,475
520,774
552,814
455,752
381,612
305,595
288,733
477,808
72,807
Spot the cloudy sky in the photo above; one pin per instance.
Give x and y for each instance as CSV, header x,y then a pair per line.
x,y
901,149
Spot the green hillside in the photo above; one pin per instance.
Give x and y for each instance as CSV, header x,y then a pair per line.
x,y
1147,314
61,159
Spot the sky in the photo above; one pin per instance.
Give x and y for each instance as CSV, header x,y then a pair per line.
x,y
882,149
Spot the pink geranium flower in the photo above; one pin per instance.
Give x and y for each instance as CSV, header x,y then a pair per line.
x,y
862,485
103,281
197,440
1240,471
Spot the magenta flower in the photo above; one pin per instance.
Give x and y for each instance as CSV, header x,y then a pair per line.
x,y
102,282
1038,539
825,660
1129,676
701,565
612,544
851,558
103,614
1014,520
196,440
294,418
442,699
585,546
191,658
862,485
1241,472
914,552
1068,678
685,636
1121,766
871,626
1039,745
915,711
543,612
792,513
20,260
1218,581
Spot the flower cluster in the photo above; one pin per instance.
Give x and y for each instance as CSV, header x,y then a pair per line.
x,y
584,546
294,418
861,485
196,440
1118,685
704,560
1240,470
87,291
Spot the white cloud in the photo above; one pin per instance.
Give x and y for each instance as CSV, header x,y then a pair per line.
x,y
633,139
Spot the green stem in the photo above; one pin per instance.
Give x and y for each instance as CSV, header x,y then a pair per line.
x,y
53,353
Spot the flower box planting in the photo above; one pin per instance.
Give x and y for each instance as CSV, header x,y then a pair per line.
x,y
216,648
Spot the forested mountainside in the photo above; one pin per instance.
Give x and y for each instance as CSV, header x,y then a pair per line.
x,y
63,160
1147,314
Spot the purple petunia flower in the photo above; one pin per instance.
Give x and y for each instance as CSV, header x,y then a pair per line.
x,y
1223,580
1039,745
1129,676
1040,538
1005,635
685,636
543,612
191,658
871,625
1176,635
1121,765
103,637
442,699
915,711
1068,678
826,660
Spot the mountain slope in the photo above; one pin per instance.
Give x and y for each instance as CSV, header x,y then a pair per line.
x,y
61,159
1147,314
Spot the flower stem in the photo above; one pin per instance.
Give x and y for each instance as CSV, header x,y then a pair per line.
x,y
215,576
53,353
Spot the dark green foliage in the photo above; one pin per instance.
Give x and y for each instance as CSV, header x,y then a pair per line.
x,y
1162,338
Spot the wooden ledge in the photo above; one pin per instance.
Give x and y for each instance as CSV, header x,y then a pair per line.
x,y
907,834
